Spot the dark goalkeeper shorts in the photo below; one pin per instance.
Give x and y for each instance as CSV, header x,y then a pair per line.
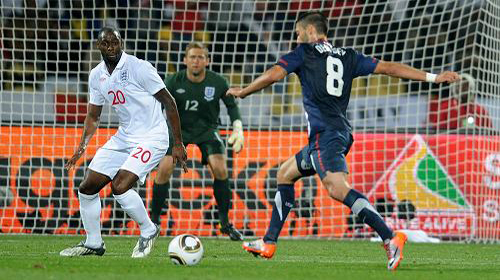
x,y
207,148
326,151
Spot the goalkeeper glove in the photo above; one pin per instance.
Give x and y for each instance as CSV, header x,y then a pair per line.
x,y
236,139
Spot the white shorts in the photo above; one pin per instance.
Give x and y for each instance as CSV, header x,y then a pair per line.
x,y
139,159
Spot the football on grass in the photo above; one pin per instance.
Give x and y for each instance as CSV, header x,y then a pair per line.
x,y
185,249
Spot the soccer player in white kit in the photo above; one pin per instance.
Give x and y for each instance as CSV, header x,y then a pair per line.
x,y
134,89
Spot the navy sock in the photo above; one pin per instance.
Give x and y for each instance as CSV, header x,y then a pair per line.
x,y
223,196
160,193
283,203
360,206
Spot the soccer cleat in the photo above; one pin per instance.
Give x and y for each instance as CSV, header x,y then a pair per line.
x,y
233,233
394,249
260,248
145,245
81,250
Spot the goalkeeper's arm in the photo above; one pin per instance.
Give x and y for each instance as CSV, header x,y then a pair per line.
x,y
236,139
403,71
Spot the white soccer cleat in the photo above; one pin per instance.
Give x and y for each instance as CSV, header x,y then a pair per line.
x,y
81,250
144,246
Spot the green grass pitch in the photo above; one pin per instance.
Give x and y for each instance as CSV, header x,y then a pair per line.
x,y
37,257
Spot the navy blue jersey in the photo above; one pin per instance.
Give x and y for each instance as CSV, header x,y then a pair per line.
x,y
326,75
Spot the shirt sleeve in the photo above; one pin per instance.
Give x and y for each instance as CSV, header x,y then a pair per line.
x,y
149,79
365,65
169,82
96,97
232,106
292,60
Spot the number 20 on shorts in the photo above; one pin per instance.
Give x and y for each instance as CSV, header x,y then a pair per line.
x,y
142,154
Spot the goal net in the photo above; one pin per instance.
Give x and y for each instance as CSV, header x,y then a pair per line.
x,y
427,156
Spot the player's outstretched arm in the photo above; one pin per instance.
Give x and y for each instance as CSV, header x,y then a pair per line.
x,y
269,77
90,127
179,153
403,71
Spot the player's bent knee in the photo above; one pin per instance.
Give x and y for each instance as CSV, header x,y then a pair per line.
x,y
287,176
220,173
163,176
330,187
84,188
165,170
335,192
336,186
87,188
123,182
217,163
93,183
120,187
282,178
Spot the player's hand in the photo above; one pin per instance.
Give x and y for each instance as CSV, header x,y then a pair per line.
x,y
237,139
76,156
236,92
179,154
447,77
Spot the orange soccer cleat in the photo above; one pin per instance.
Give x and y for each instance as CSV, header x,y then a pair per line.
x,y
394,249
260,248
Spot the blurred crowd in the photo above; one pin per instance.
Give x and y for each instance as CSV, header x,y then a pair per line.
x,y
44,38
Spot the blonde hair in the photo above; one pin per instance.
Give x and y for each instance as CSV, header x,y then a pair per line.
x,y
196,45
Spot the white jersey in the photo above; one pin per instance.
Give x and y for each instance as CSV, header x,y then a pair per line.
x,y
129,90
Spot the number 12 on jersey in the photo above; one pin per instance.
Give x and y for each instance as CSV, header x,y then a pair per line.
x,y
334,75
191,105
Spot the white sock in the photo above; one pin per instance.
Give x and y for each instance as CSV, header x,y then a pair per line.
x,y
131,202
90,211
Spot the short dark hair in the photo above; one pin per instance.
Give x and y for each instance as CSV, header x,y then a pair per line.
x,y
316,18
197,45
107,29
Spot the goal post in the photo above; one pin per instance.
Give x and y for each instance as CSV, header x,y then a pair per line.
x,y
427,156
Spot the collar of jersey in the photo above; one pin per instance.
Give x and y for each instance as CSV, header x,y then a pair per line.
x,y
120,64
122,60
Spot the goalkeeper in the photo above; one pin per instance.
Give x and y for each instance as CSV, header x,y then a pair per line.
x,y
197,92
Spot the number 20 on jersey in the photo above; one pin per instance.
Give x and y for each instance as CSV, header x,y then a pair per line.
x,y
118,97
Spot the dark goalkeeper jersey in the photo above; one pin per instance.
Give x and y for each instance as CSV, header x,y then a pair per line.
x,y
326,73
198,104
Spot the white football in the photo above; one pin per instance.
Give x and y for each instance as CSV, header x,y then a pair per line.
x,y
185,249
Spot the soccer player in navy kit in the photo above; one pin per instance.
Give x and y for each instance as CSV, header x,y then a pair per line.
x,y
326,73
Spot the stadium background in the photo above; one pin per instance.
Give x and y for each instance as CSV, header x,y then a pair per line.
x,y
442,180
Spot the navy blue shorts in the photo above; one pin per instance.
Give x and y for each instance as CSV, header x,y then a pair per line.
x,y
326,152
